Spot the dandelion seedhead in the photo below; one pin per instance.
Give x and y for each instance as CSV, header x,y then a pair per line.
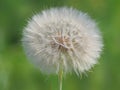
x,y
62,37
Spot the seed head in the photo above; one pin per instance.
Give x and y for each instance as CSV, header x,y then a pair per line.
x,y
62,36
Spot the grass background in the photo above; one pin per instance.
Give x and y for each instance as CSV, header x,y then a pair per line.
x,y
16,73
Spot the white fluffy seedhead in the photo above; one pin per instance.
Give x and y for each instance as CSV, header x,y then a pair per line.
x,y
62,36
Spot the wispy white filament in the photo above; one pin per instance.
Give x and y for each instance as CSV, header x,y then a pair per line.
x,y
62,35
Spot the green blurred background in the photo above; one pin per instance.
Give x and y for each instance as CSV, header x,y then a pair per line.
x,y
16,72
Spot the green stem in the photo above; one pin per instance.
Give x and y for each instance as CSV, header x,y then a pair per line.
x,y
60,76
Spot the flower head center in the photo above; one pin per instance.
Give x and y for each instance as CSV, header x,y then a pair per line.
x,y
62,43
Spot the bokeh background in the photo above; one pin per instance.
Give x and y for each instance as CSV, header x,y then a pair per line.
x,y
16,72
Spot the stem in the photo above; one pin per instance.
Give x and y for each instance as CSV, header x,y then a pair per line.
x,y
60,76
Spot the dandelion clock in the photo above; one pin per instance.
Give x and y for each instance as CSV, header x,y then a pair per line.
x,y
62,40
